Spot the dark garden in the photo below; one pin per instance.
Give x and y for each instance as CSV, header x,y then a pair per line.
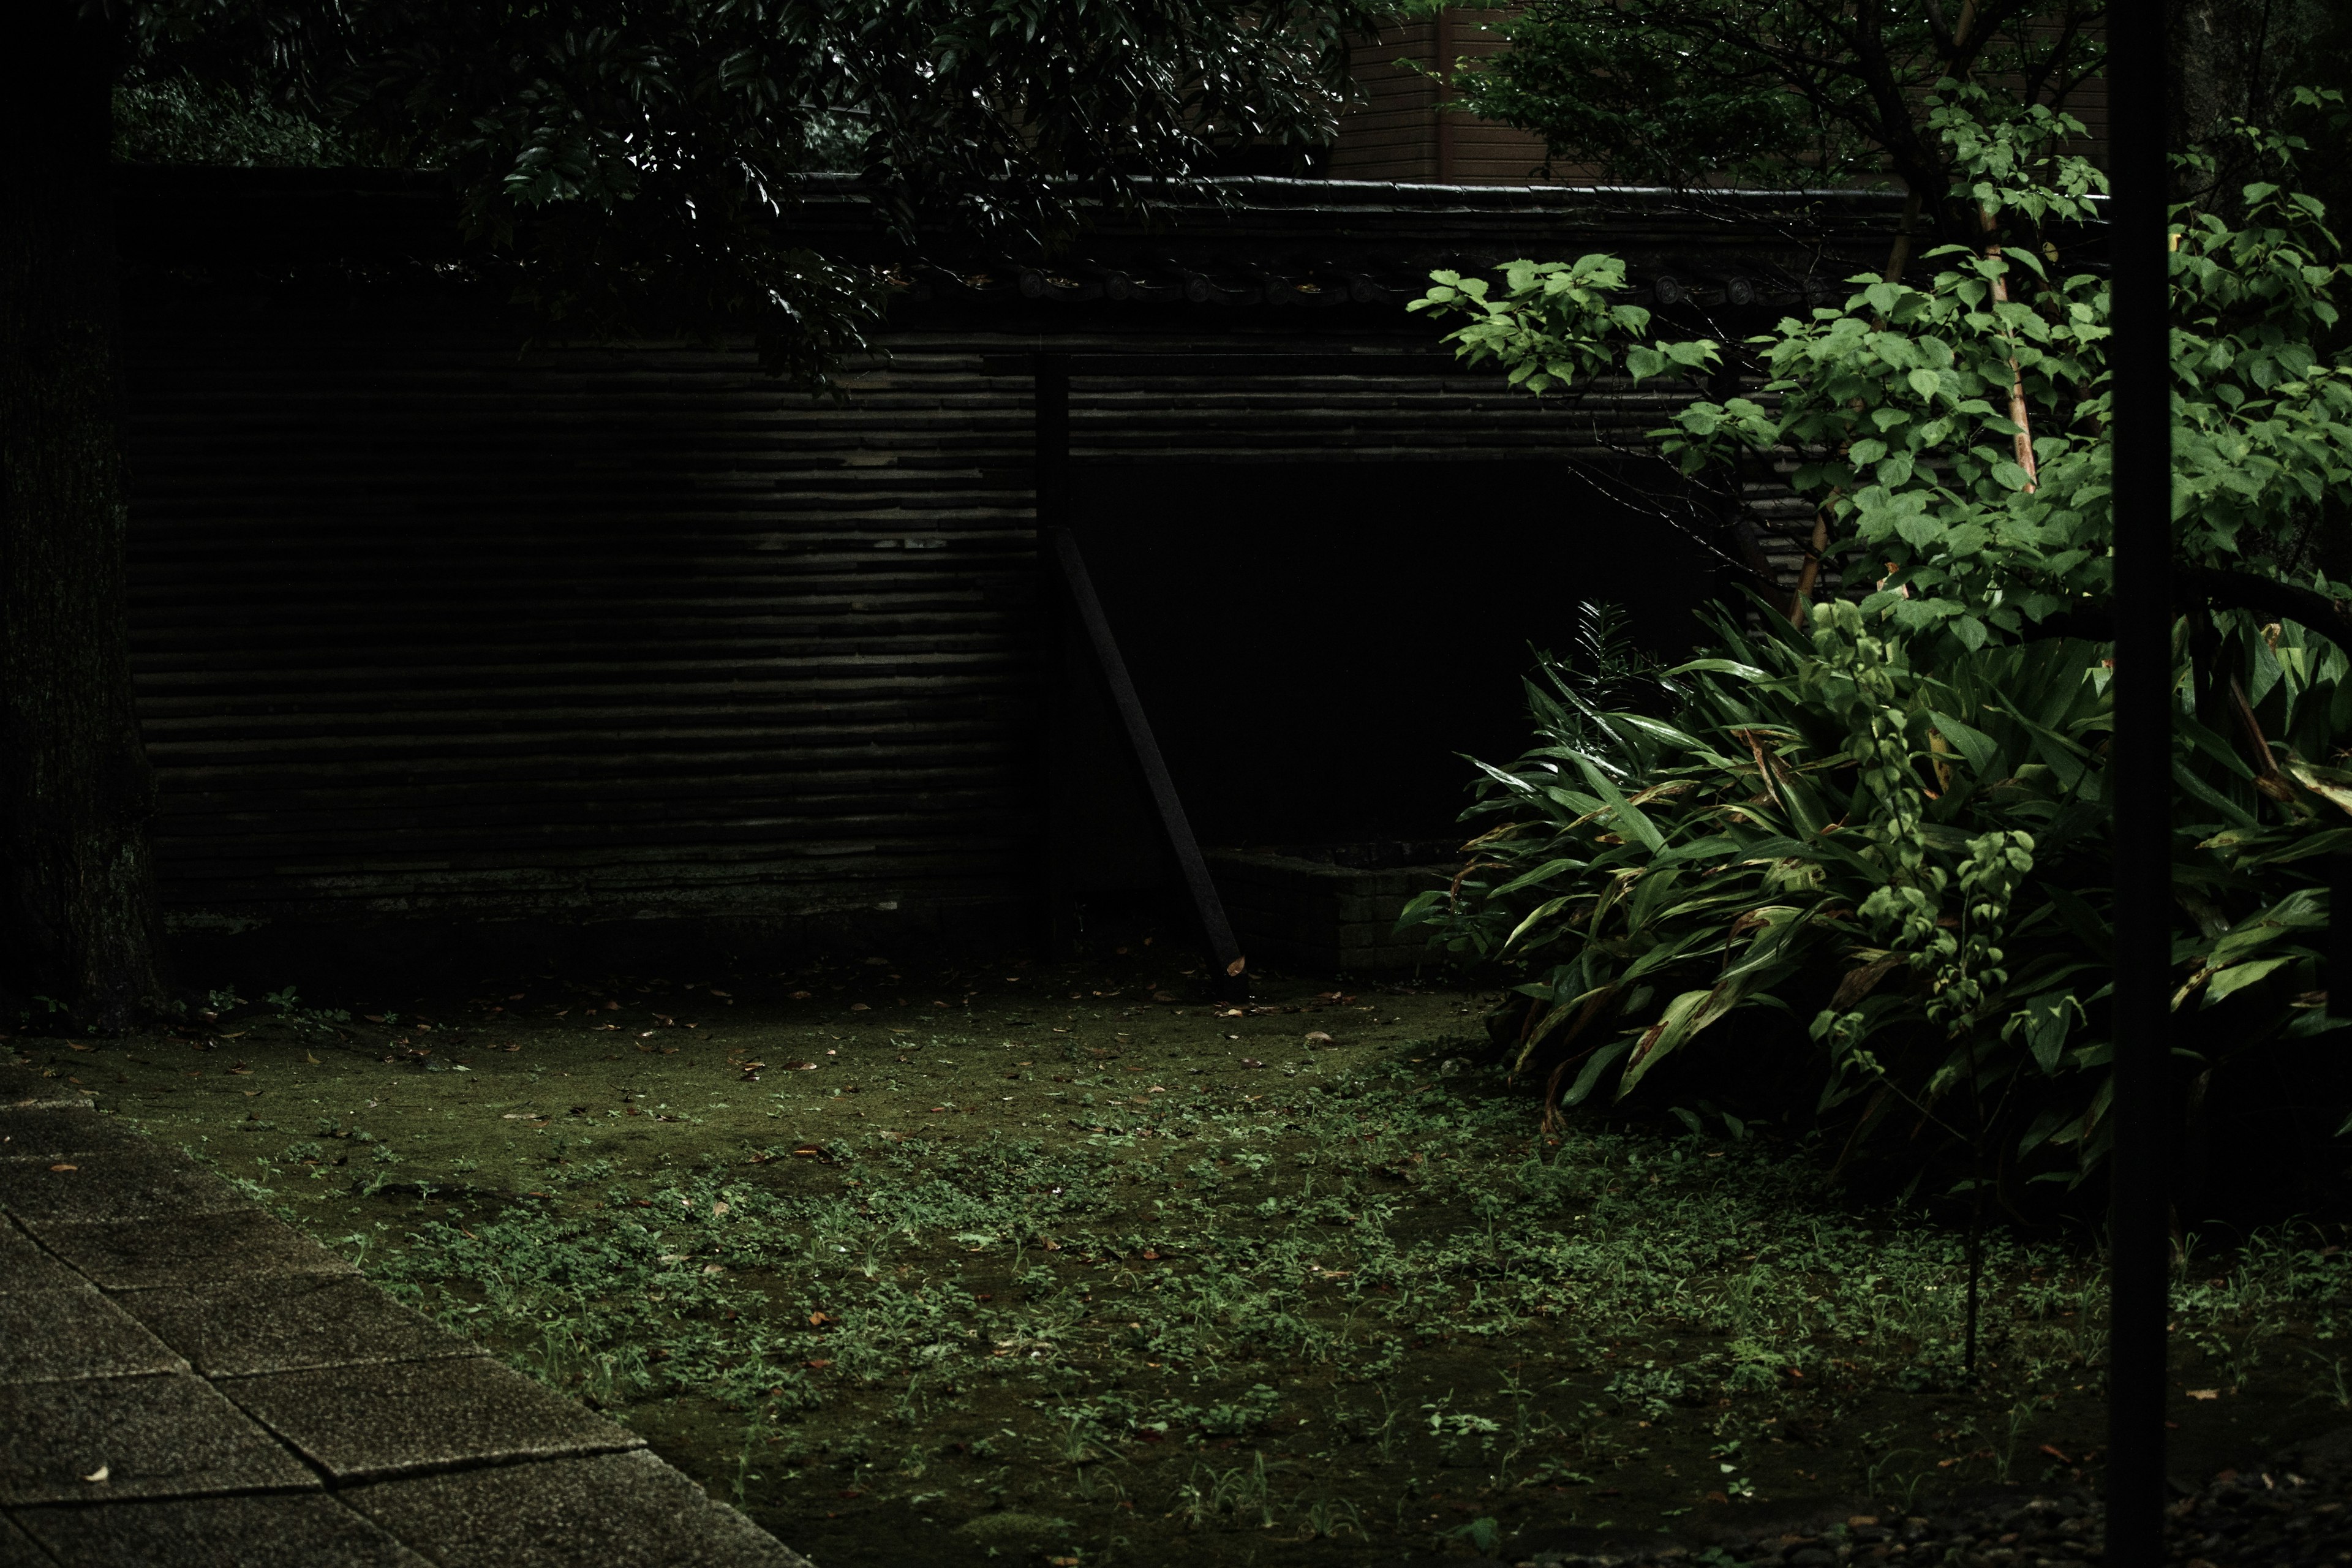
x,y
1070,783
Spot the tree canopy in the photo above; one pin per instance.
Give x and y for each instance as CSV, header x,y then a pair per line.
x,y
635,164
1885,817
1788,93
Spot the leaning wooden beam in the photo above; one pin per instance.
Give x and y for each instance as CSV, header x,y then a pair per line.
x,y
1077,587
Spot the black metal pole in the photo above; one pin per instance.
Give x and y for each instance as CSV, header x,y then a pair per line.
x,y
1053,473
2140,773
1050,485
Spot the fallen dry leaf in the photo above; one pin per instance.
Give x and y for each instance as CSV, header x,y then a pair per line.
x,y
802,996
2204,1393
65,1167
312,1059
98,1474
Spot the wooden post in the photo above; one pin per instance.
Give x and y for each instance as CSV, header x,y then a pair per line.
x,y
2140,773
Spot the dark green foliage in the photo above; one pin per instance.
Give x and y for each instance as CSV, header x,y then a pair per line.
x,y
178,121
1882,846
1790,92
636,167
1898,876
1602,671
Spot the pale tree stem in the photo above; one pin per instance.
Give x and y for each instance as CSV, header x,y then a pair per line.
x,y
1812,567
1899,256
2019,415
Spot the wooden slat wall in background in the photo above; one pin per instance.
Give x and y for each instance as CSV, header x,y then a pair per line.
x,y
424,630
1398,133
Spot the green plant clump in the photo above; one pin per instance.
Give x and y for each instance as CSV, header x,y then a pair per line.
x,y
1876,828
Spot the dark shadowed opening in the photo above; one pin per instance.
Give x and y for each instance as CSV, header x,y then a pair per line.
x,y
1318,644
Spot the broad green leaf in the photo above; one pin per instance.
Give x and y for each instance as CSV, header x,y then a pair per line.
x,y
2238,976
1981,752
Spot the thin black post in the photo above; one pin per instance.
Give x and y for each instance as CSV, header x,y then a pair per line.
x,y
1052,475
2337,977
1050,488
2140,773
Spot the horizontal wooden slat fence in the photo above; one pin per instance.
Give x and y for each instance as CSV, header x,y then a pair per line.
x,y
425,629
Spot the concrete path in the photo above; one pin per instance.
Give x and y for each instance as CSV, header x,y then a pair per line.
x,y
185,1380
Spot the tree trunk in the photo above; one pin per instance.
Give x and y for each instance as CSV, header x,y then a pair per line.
x,y
77,908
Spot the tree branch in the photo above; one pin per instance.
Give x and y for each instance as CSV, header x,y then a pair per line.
x,y
2266,596
2198,587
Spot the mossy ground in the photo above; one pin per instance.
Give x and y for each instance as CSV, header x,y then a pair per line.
x,y
1075,1266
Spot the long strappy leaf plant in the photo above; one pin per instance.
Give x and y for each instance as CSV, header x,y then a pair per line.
x,y
1875,830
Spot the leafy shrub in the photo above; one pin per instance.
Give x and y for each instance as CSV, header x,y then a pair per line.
x,y
1909,868
1877,828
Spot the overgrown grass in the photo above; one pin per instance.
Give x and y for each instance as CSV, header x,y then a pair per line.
x,y
1144,1303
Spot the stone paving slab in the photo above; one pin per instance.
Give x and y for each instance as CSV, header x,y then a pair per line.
x,y
286,1323
358,1422
367,1438
53,1132
17,1551
275,1531
190,1249
45,1335
22,1087
110,1186
143,1437
617,1510
25,1267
